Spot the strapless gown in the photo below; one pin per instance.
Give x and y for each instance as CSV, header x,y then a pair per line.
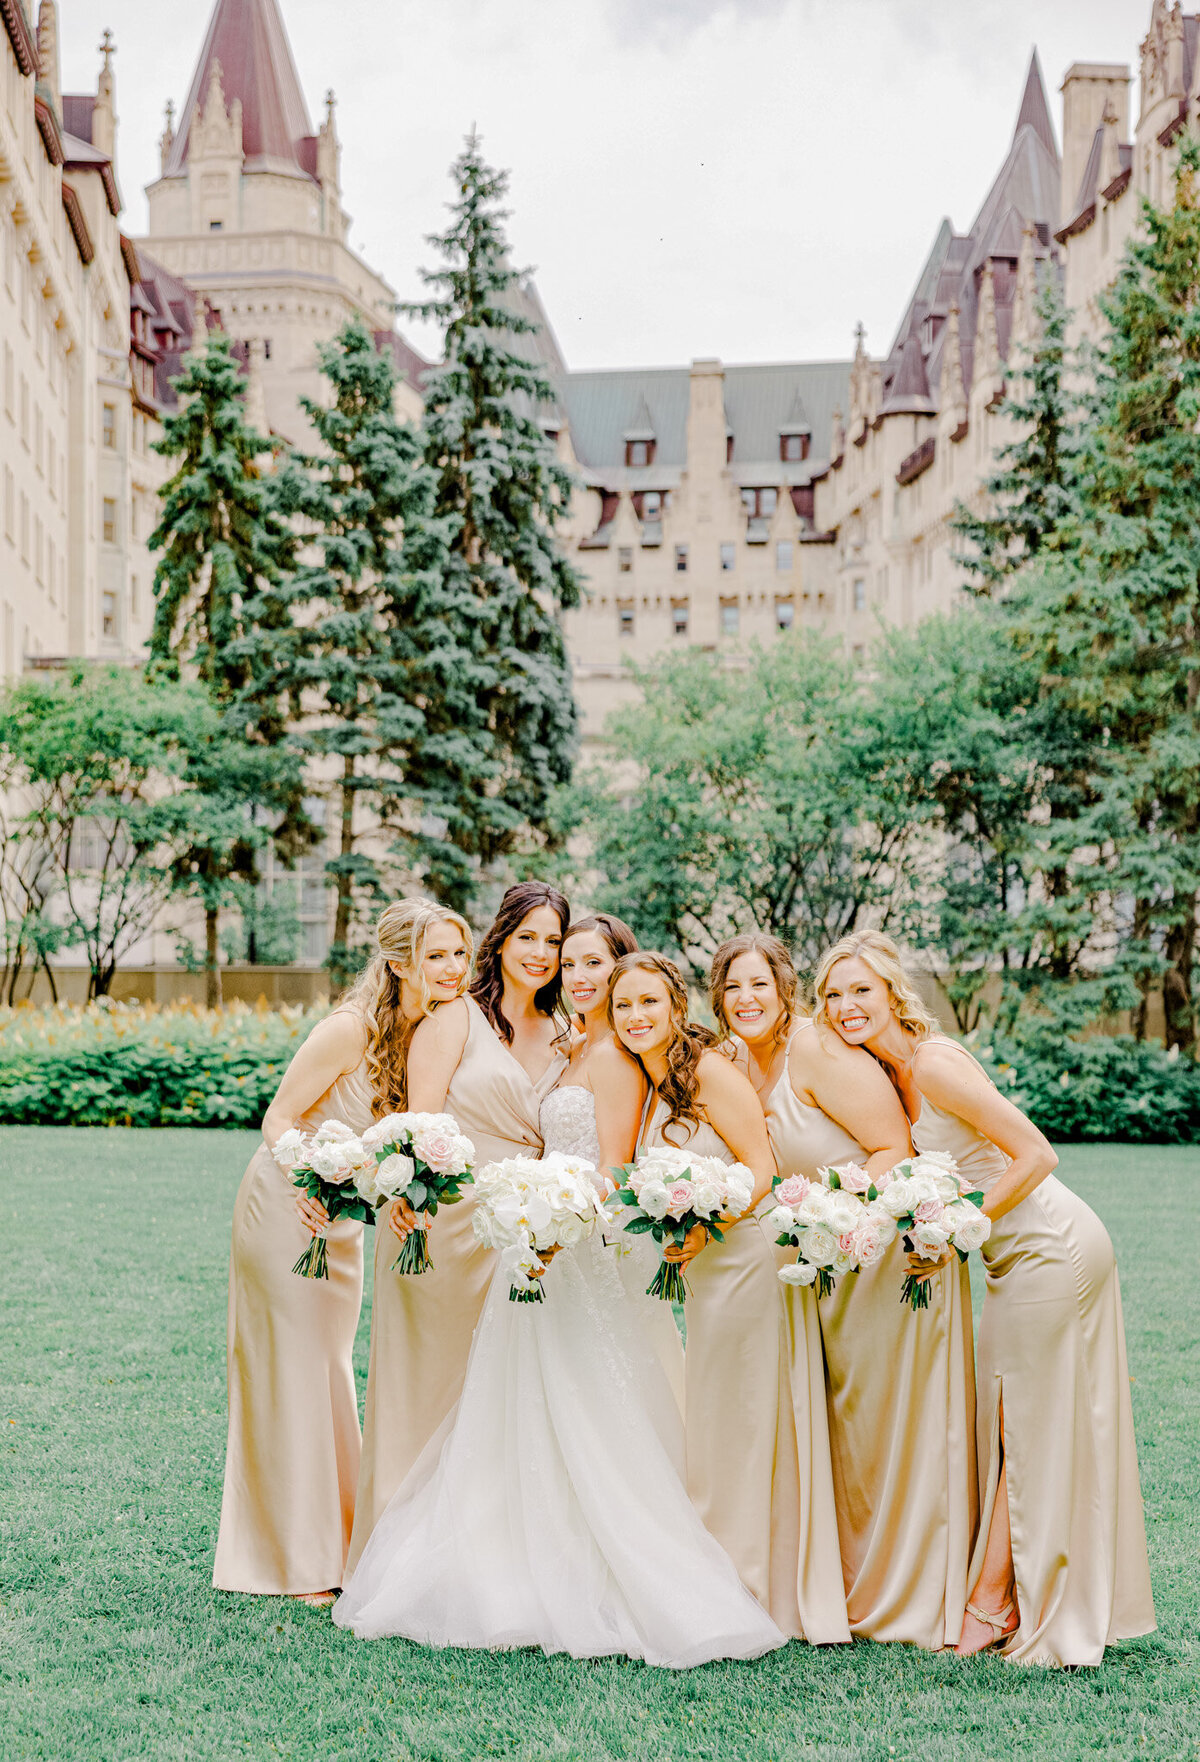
x,y
550,1510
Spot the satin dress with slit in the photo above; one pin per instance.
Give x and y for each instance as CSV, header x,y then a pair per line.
x,y
1052,1359
292,1455
550,1509
421,1324
758,1466
901,1403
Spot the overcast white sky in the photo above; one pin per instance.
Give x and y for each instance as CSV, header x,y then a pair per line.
x,y
742,178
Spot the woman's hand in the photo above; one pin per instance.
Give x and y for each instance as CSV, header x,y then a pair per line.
x,y
545,1256
693,1242
312,1214
922,1268
402,1219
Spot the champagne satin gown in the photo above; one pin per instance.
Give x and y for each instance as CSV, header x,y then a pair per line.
x,y
421,1324
291,1460
756,1442
1052,1352
901,1404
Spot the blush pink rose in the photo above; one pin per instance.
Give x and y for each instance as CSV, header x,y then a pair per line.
x,y
847,1241
929,1212
854,1177
436,1150
884,1180
792,1191
679,1198
868,1243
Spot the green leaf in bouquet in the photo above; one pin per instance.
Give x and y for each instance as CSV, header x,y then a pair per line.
x,y
626,1195
417,1194
715,1231
976,1198
639,1225
872,1193
784,1241
835,1180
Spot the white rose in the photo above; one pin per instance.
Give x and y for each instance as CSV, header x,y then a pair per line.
x,y
738,1195
970,1228
389,1130
896,1199
844,1214
654,1199
780,1221
799,1273
327,1161
571,1232
928,1240
884,1222
934,1162
842,1263
394,1173
290,1149
814,1207
333,1132
819,1245
707,1198
663,1164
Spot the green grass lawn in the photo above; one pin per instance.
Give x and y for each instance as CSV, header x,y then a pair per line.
x,y
113,1644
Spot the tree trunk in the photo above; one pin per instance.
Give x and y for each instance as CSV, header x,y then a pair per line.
x,y
212,958
1178,1007
345,880
1143,979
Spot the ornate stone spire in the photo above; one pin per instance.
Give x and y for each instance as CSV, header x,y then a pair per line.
x,y
248,39
1110,147
167,139
989,369
1025,318
104,115
47,41
952,395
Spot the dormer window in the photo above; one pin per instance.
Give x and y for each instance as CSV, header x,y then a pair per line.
x,y
793,448
760,504
650,504
216,226
639,453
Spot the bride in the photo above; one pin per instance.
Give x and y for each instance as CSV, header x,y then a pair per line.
x,y
550,1510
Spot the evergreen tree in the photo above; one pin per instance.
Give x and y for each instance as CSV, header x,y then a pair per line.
x,y
502,490
1031,497
216,615
1120,622
371,656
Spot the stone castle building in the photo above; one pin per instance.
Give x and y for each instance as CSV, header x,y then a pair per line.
x,y
716,504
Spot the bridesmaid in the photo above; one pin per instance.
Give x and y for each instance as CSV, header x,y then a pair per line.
x,y
1059,1570
591,949
773,1516
901,1387
293,1446
487,1059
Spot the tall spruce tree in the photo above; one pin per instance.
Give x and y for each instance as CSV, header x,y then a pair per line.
x,y
217,617
502,489
1121,620
1031,497
371,658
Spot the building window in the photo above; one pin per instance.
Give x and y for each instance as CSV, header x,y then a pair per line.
x,y
108,425
652,505
728,557
109,613
760,504
783,556
729,617
679,617
109,520
625,617
860,595
639,452
681,555
215,225
785,614
266,348
625,559
793,448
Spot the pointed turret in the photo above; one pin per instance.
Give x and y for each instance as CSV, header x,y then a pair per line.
x,y
1035,110
247,38
167,139
47,41
908,394
104,114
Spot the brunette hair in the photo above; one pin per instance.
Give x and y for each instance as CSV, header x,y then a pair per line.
x,y
782,969
618,938
680,1086
879,953
401,935
487,987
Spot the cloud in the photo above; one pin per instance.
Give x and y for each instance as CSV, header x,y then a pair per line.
x,y
663,19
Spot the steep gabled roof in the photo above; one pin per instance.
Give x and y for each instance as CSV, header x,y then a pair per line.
x,y
908,393
248,38
1035,110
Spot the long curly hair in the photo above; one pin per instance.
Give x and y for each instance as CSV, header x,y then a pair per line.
x,y
879,953
401,935
787,981
487,987
680,1085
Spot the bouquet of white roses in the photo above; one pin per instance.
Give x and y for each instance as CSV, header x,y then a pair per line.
x,y
528,1205
668,1191
421,1157
929,1202
325,1164
833,1221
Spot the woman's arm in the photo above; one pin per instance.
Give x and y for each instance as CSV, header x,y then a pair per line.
x,y
434,1054
333,1049
620,1091
735,1113
854,1090
954,1083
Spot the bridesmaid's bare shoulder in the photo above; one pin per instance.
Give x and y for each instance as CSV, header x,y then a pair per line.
x,y
443,1030
341,1036
720,1082
815,1049
945,1071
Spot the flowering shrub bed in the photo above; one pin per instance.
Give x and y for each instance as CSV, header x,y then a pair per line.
x,y
1122,1089
135,1065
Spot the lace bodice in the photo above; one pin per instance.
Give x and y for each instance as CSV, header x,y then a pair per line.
x,y
569,1122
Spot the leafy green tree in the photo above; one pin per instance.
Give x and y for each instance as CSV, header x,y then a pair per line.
x,y
502,489
219,616
1031,499
98,760
761,797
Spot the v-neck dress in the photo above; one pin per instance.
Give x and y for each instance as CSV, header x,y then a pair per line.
x,y
1052,1361
421,1324
901,1403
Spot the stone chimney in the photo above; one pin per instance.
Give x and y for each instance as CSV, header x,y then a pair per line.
x,y
1089,88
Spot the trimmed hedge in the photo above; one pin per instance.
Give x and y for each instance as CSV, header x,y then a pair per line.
x,y
1120,1089
134,1065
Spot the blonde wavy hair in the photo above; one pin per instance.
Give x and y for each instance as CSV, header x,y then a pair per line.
x,y
879,953
782,970
401,935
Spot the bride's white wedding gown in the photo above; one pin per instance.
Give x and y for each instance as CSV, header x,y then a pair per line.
x,y
550,1510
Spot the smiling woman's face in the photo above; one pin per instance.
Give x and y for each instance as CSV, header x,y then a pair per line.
x,y
587,961
751,998
857,1001
445,964
641,1012
529,957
